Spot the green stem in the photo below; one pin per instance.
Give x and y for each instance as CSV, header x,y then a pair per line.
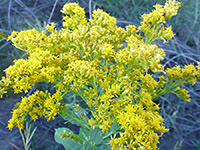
x,y
93,145
67,114
169,86
106,136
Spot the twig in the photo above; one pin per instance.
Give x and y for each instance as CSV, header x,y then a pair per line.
x,y
90,8
127,22
32,133
4,45
9,8
25,7
3,30
23,139
35,3
54,6
14,146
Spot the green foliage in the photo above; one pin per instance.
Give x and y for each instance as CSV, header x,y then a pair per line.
x,y
76,115
85,140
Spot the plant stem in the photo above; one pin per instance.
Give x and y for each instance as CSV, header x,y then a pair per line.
x,y
67,114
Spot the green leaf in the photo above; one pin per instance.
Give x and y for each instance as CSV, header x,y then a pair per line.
x,y
74,116
72,120
81,135
103,146
68,144
94,136
87,145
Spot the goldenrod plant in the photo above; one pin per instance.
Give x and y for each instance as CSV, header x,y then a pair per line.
x,y
113,70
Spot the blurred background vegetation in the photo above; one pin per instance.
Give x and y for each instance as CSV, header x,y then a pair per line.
x,y
183,119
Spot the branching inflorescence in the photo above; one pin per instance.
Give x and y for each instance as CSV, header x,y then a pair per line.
x,y
107,66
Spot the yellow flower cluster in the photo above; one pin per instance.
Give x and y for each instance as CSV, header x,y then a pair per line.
x,y
38,104
189,74
152,24
104,64
139,127
75,16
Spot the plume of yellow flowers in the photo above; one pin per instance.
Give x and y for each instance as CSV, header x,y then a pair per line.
x,y
108,66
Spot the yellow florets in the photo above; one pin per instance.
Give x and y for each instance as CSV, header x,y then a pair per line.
x,y
107,66
75,15
140,127
152,24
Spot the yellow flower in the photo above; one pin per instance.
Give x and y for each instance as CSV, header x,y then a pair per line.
x,y
92,123
63,135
